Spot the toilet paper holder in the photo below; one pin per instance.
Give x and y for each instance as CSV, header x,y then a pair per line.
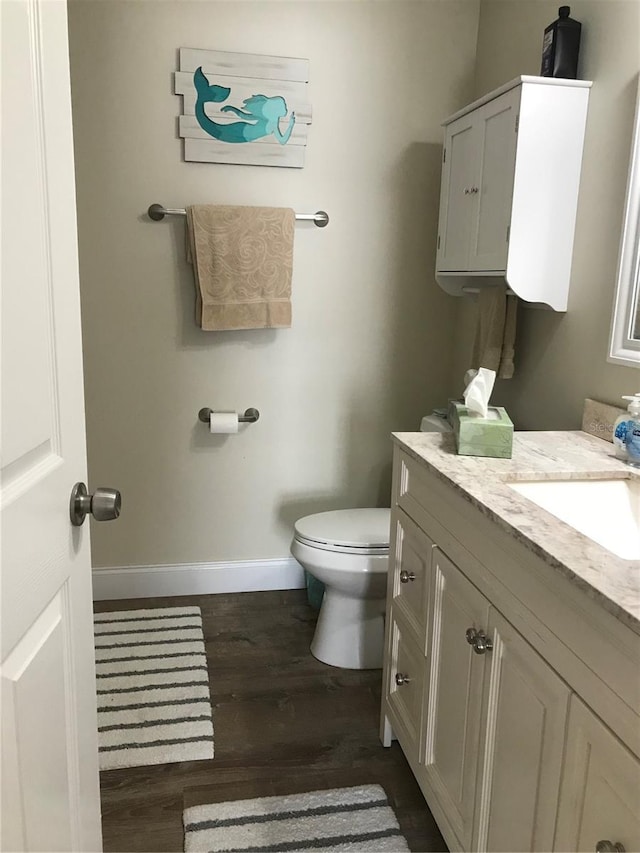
x,y
249,417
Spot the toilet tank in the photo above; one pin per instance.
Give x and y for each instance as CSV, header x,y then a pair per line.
x,y
435,422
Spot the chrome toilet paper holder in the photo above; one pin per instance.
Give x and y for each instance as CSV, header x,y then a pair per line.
x,y
250,416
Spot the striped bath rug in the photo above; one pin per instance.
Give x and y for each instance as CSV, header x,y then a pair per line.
x,y
350,819
153,687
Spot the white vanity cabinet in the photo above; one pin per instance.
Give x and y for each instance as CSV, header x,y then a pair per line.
x,y
478,689
509,193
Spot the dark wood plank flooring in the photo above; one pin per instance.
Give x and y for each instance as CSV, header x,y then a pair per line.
x,y
283,723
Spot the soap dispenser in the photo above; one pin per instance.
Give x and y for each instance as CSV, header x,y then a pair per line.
x,y
622,426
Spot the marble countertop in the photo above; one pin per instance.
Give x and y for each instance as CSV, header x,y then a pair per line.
x,y
483,481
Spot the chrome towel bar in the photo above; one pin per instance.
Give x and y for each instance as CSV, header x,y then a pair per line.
x,y
157,212
249,417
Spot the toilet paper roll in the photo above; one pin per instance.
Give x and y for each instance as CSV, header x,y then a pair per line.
x,y
223,422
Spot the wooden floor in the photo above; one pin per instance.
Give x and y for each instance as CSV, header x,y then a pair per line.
x,y
283,723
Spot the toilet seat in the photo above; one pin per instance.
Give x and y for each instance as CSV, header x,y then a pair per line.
x,y
346,531
382,550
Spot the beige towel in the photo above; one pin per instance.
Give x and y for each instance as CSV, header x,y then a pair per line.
x,y
496,331
242,264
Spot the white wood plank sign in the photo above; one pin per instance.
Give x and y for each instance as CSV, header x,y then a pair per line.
x,y
243,108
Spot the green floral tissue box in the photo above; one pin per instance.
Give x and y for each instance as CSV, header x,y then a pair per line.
x,y
476,436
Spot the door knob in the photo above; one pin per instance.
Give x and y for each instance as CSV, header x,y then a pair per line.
x,y
607,847
104,504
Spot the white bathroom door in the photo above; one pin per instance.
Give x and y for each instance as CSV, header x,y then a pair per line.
x,y
50,791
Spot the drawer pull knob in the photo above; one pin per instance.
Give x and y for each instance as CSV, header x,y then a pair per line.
x,y
405,576
607,847
479,640
402,679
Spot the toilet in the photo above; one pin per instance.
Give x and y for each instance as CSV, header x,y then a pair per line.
x,y
348,551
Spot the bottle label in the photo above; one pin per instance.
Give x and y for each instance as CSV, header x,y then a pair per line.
x,y
621,431
547,54
632,440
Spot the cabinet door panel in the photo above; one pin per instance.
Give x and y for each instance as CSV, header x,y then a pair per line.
x,y
600,793
524,717
495,126
455,694
456,200
411,569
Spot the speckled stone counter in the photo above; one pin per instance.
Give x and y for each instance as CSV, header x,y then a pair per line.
x,y
606,578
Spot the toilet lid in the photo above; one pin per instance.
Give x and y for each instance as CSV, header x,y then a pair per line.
x,y
356,528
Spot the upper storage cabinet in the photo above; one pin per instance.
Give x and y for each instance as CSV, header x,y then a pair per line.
x,y
510,180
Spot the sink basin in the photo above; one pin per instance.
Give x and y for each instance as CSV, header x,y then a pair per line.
x,y
607,510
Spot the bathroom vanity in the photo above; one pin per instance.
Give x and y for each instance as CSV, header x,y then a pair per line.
x,y
512,649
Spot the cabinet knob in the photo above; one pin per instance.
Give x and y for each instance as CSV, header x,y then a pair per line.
x,y
482,644
606,846
479,640
402,679
405,576
474,190
467,190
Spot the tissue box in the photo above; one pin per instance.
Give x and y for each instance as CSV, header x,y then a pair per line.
x,y
476,436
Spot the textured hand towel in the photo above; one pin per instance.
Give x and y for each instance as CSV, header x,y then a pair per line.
x,y
496,331
242,263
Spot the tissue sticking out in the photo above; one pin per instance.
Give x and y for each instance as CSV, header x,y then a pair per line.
x,y
477,393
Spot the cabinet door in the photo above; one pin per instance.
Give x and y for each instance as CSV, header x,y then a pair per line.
x,y
405,686
492,187
524,717
600,792
454,695
458,175
410,572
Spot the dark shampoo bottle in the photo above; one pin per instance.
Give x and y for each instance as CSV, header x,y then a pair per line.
x,y
560,46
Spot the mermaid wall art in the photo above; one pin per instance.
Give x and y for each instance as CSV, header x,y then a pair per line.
x,y
261,115
243,108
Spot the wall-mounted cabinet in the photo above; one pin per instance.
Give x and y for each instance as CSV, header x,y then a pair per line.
x,y
509,195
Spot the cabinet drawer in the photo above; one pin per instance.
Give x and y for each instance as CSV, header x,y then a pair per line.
x,y
405,685
412,489
410,576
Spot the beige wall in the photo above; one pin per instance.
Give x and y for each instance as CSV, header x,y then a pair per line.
x,y
370,347
561,358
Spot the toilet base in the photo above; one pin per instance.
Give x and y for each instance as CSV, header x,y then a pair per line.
x,y
350,631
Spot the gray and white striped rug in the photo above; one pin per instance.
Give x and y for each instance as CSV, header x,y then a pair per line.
x,y
350,819
153,687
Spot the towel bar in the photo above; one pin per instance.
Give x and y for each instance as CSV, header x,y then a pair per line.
x,y
158,212
249,417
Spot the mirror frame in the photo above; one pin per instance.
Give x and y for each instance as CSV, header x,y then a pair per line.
x,y
623,349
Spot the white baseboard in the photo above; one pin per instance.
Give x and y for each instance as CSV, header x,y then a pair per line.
x,y
196,578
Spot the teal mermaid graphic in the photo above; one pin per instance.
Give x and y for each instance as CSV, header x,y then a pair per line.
x,y
262,114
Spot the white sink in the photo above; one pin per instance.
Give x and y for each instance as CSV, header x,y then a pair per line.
x,y
607,511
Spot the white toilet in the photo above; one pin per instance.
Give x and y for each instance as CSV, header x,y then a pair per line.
x,y
348,550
